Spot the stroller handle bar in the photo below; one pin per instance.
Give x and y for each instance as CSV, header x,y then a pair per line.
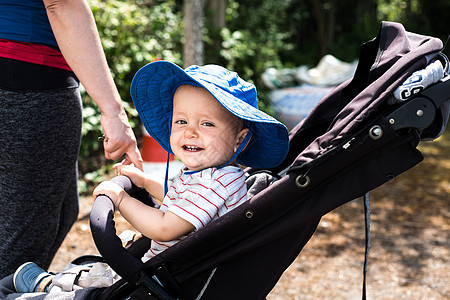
x,y
104,234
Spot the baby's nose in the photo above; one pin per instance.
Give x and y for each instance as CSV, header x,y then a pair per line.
x,y
190,132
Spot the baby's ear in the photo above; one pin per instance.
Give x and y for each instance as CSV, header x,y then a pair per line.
x,y
240,137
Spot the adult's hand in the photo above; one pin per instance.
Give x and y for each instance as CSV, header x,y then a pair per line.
x,y
119,140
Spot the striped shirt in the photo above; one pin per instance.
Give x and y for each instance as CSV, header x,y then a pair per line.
x,y
200,198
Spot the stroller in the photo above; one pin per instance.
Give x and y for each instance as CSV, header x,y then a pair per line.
x,y
351,143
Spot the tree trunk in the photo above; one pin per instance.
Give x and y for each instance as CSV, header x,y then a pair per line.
x,y
365,10
193,31
320,23
217,12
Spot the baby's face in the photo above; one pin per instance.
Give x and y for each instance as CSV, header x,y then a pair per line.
x,y
204,134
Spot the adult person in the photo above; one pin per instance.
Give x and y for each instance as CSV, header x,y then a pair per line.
x,y
46,48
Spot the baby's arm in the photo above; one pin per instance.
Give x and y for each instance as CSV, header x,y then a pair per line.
x,y
151,184
151,222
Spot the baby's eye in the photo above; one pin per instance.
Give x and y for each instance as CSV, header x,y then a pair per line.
x,y
208,124
181,122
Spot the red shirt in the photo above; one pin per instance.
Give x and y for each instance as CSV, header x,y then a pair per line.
x,y
33,53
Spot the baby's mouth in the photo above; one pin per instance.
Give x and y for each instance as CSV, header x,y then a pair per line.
x,y
192,148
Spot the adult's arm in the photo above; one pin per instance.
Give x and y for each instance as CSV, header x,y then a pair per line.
x,y
75,31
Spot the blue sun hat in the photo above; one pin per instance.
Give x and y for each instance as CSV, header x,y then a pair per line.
x,y
153,88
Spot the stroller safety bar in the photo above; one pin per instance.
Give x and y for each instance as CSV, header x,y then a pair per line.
x,y
110,246
106,240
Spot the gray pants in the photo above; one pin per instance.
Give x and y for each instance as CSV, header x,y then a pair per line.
x,y
40,133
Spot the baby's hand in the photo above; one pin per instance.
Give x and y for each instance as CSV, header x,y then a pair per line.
x,y
111,190
136,175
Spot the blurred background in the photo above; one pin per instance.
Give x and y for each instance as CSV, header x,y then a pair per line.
x,y
265,41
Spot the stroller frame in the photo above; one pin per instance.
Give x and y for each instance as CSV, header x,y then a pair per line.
x,y
351,139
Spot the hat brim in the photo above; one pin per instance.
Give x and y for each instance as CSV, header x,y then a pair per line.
x,y
152,91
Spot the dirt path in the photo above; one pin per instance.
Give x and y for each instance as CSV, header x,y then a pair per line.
x,y
410,249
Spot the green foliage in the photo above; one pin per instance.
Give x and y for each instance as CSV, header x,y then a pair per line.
x,y
133,33
91,129
420,16
254,40
258,34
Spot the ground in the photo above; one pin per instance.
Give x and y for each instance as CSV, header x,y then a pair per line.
x,y
410,240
